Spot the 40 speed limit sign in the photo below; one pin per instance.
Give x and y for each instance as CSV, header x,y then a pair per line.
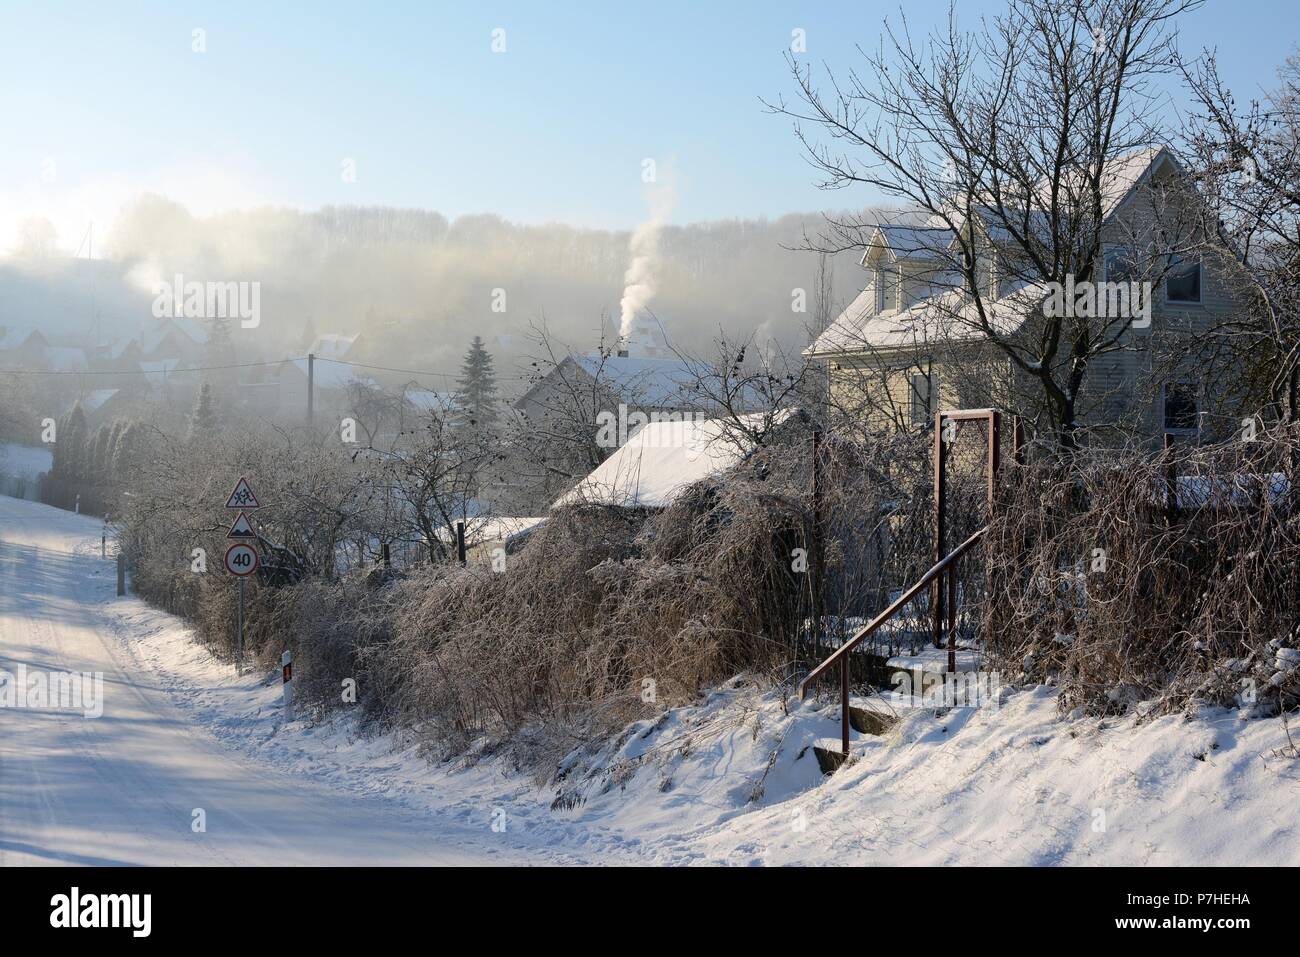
x,y
241,559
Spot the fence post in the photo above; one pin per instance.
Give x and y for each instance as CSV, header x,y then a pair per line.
x,y
460,542
121,574
940,497
286,682
844,705
816,563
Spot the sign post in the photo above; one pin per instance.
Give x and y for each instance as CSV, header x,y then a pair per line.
x,y
241,558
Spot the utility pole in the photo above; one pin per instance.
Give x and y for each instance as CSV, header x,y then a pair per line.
x,y
311,383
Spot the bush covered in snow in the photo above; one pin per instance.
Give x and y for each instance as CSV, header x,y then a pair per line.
x,y
1125,587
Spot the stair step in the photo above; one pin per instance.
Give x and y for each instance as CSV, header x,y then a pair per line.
x,y
866,721
828,759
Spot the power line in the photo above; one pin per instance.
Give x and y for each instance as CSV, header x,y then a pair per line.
x,y
242,365
247,365
444,375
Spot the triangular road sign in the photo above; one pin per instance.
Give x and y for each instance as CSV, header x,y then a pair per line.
x,y
242,528
243,497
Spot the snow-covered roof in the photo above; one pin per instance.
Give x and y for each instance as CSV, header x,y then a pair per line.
x,y
948,317
16,338
428,400
949,314
64,358
661,460
330,375
155,333
913,242
334,345
492,529
94,399
647,382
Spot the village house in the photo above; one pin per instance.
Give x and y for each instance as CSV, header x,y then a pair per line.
x,y
911,343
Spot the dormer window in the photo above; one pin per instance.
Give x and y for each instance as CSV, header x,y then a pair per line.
x,y
879,281
1183,281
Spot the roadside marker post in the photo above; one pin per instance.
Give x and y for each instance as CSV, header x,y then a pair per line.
x,y
121,574
286,680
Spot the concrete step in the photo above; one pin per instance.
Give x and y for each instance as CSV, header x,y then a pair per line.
x,y
862,720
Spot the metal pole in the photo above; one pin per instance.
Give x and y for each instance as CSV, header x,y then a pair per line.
x,y
239,654
816,543
311,383
844,706
952,618
460,542
940,496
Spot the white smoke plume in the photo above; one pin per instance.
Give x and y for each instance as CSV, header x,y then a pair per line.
x,y
642,272
639,279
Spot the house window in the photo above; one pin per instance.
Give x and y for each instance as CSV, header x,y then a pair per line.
x,y
1183,281
1120,266
923,392
1181,408
879,282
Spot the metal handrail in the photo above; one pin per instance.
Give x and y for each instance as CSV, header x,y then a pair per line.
x,y
842,652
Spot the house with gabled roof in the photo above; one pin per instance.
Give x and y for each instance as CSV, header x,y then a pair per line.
x,y
916,340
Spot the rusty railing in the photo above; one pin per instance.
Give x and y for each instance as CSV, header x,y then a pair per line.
x,y
841,654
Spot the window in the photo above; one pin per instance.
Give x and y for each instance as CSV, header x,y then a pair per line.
x,y
1181,408
879,282
924,390
1183,281
1121,266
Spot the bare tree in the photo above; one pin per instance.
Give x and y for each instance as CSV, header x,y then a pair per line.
x,y
1007,145
1247,159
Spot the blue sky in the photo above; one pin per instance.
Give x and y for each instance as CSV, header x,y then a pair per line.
x,y
103,100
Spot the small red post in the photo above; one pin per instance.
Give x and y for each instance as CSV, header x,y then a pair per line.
x,y
940,497
844,705
815,569
952,617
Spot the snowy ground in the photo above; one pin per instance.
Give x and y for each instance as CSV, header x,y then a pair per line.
x,y
730,780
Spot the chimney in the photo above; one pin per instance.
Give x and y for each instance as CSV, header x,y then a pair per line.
x,y
623,345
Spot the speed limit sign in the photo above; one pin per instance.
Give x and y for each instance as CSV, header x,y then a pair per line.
x,y
241,559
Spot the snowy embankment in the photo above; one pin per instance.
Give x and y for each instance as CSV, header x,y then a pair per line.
x,y
733,779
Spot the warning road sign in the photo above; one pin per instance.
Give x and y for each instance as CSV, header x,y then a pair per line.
x,y
241,559
242,528
243,497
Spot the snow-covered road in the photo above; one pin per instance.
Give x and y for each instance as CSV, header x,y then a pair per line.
x,y
123,788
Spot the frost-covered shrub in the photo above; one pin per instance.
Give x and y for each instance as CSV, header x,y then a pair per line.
x,y
1108,586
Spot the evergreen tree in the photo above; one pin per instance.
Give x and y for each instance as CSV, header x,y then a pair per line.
x,y
203,421
71,441
477,387
97,467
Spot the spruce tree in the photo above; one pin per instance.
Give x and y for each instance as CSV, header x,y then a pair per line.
x,y
477,387
203,421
